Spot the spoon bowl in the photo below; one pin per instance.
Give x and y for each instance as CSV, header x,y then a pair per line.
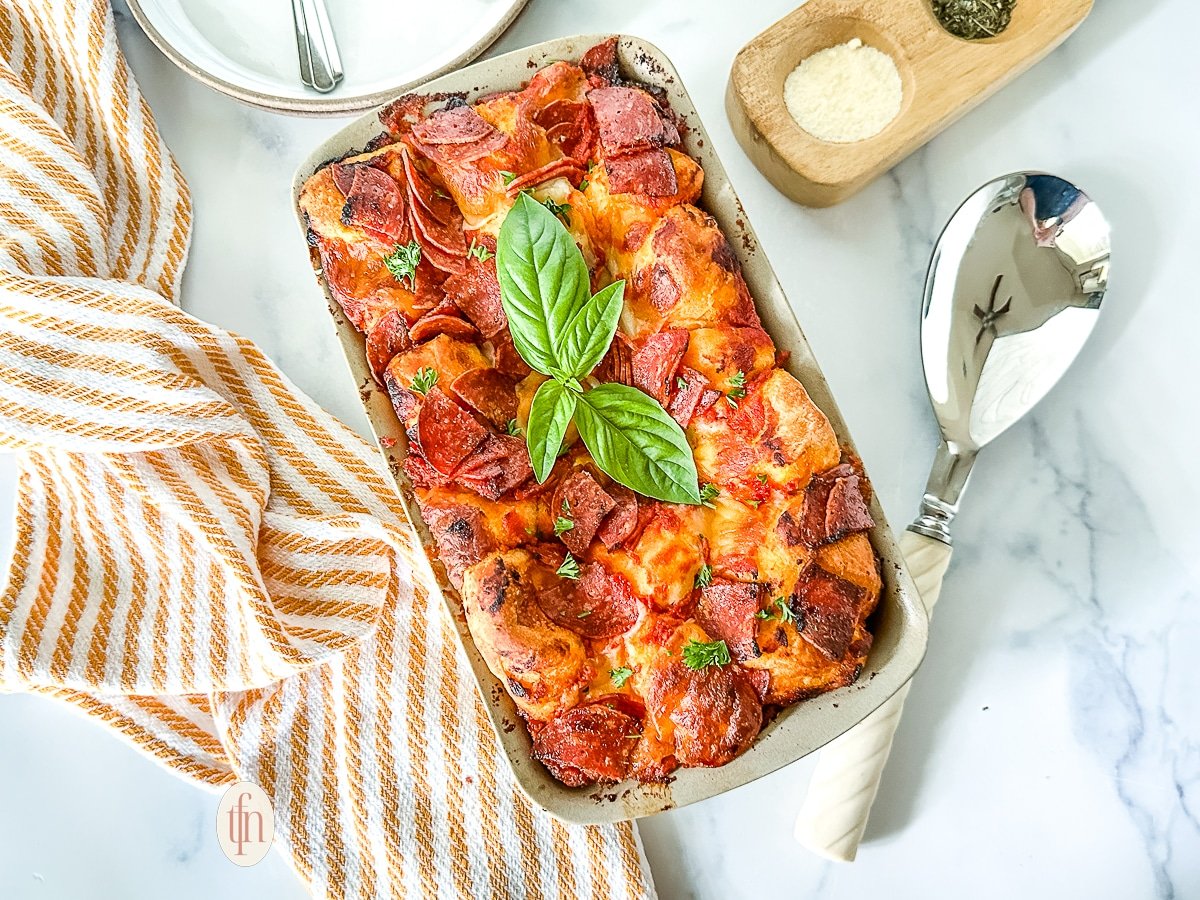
x,y
1013,291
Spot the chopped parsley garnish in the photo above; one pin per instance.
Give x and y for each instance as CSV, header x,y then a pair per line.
x,y
708,493
566,507
704,576
569,568
701,655
785,613
762,478
479,252
403,261
583,184
509,177
681,383
620,675
737,388
513,428
425,378
562,210
561,524
584,614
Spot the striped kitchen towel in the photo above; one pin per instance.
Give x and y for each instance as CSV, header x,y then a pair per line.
x,y
205,560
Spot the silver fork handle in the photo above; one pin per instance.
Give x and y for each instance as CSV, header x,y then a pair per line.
x,y
320,62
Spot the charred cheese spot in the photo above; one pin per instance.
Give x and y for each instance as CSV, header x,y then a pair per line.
x,y
522,647
720,353
678,280
622,222
745,545
708,716
662,563
775,435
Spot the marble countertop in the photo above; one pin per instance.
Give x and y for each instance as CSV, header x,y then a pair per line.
x,y
1051,745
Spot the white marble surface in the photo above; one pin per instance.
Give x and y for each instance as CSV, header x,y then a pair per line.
x,y
1052,744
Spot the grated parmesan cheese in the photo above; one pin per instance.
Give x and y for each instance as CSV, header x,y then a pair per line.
x,y
845,93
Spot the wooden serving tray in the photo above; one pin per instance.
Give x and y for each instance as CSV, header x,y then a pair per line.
x,y
942,77
899,622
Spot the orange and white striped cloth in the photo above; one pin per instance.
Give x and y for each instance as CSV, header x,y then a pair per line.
x,y
205,560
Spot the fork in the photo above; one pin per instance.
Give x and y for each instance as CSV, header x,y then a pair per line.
x,y
320,62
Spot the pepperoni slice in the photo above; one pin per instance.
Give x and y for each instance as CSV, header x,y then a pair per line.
x,y
405,402
446,433
499,464
588,744
581,499
760,680
565,168
648,171
422,474
374,201
617,364
600,62
385,340
461,534
621,523
508,360
686,391
443,319
436,221
570,126
629,119
655,362
399,116
476,291
846,510
460,125
707,399
432,324
834,506
826,609
715,711
435,204
490,393
726,611
600,605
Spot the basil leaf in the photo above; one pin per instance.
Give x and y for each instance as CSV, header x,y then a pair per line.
x,y
634,441
591,331
544,281
549,415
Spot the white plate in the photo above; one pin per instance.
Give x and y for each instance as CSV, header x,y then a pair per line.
x,y
247,48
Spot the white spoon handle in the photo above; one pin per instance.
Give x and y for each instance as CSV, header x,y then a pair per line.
x,y
843,786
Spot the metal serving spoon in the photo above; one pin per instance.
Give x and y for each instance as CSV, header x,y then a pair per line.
x,y
320,62
1013,291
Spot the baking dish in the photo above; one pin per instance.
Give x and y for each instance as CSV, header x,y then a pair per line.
x,y
899,624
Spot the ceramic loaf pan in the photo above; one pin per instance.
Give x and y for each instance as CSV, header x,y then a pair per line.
x,y
899,623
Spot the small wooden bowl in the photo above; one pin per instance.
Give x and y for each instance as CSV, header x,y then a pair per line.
x,y
942,77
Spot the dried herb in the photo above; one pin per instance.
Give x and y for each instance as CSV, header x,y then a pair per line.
x,y
974,19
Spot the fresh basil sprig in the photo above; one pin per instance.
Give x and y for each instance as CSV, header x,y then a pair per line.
x,y
563,331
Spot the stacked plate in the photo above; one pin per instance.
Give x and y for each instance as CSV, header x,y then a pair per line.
x,y
248,50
